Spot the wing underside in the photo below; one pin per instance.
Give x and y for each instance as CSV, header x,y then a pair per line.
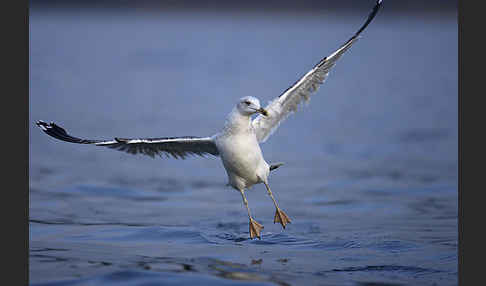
x,y
177,147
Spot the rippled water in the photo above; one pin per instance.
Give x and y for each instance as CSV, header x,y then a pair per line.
x,y
370,174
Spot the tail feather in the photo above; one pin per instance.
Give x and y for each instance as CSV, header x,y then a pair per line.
x,y
275,166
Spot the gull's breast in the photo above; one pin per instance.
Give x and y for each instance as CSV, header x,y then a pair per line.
x,y
242,159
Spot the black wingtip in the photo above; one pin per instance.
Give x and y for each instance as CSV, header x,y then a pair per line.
x,y
371,16
58,132
42,125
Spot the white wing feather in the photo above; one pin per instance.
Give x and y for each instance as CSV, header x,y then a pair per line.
x,y
284,105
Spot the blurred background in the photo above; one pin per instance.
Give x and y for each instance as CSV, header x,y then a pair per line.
x,y
412,6
370,174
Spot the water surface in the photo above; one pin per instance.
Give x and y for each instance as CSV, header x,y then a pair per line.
x,y
370,174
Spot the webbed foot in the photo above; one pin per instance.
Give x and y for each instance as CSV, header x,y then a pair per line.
x,y
255,229
281,217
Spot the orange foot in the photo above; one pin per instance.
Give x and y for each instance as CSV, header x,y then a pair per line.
x,y
255,229
281,217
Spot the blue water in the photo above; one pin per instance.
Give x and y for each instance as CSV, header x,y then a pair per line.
x,y
370,174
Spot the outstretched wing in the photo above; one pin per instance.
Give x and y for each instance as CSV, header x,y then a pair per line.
x,y
177,147
284,105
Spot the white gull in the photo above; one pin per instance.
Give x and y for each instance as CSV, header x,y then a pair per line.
x,y
238,142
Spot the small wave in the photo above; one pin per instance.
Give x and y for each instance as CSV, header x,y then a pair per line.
x,y
392,245
385,268
160,234
231,237
338,245
72,222
283,239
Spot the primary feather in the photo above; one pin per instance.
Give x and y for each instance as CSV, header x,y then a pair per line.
x,y
177,147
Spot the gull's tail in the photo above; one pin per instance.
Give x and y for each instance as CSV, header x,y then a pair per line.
x,y
275,166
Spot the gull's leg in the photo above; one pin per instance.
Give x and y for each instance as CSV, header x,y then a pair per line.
x,y
255,227
280,216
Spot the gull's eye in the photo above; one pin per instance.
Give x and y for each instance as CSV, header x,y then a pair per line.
x,y
247,102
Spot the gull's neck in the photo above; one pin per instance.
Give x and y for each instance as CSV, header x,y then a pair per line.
x,y
237,123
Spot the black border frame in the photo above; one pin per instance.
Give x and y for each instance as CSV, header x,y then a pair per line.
x,y
15,143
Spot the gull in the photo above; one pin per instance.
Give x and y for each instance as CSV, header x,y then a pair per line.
x,y
238,142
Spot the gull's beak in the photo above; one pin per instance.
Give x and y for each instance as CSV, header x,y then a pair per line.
x,y
263,111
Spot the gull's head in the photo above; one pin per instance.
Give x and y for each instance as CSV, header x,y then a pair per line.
x,y
249,105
